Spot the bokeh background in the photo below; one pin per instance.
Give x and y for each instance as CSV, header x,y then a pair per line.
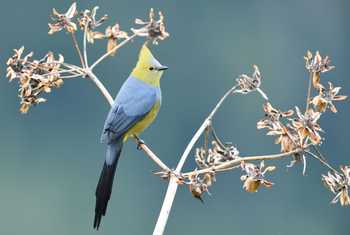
x,y
50,159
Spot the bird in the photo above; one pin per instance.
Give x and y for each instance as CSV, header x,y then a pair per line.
x,y
134,109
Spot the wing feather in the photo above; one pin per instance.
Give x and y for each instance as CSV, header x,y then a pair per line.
x,y
134,100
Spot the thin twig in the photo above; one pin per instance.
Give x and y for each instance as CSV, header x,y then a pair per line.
x,y
172,187
76,68
206,140
216,138
150,154
71,76
322,161
112,51
320,154
233,163
199,132
69,71
76,45
85,47
308,92
100,86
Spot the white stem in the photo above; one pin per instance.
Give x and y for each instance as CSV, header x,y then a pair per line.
x,y
70,71
100,86
71,76
262,93
172,187
112,51
85,48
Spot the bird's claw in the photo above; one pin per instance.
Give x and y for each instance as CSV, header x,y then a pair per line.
x,y
140,143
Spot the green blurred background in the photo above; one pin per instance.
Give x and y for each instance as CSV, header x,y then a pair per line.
x,y
51,158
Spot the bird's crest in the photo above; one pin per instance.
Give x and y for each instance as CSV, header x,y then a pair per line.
x,y
145,56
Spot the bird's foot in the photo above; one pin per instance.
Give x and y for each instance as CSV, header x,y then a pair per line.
x,y
140,143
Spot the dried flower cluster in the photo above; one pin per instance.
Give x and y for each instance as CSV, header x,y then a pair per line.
x,y
152,29
339,183
87,21
303,129
279,124
254,176
34,76
206,157
199,184
63,21
325,98
295,132
317,65
38,76
215,155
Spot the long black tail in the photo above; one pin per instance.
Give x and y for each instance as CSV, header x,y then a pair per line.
x,y
105,183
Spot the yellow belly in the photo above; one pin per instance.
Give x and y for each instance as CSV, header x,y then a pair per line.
x,y
141,125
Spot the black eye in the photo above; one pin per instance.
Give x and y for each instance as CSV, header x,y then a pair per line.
x,y
151,68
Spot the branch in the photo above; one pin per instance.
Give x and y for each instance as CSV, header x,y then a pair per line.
x,y
100,86
112,51
308,92
85,48
233,163
76,45
322,161
172,187
150,154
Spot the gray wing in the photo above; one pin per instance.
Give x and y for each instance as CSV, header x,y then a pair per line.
x,y
117,123
134,100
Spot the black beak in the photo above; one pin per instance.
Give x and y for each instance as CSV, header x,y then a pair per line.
x,y
162,68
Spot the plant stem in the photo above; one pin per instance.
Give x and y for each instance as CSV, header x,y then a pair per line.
x,y
69,71
308,92
233,163
322,161
172,187
76,45
112,51
100,86
318,151
85,48
71,76
150,154
199,132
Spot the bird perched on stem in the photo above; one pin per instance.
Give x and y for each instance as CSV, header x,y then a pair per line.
x,y
134,109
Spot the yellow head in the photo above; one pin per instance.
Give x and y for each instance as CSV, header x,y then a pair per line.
x,y
148,68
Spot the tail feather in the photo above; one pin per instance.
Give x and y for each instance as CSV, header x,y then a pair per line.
x,y
105,183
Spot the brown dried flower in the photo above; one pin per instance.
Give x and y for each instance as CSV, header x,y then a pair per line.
x,y
287,137
88,19
307,126
317,65
199,184
35,76
326,97
153,29
63,21
113,33
215,155
272,117
248,84
254,176
338,183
